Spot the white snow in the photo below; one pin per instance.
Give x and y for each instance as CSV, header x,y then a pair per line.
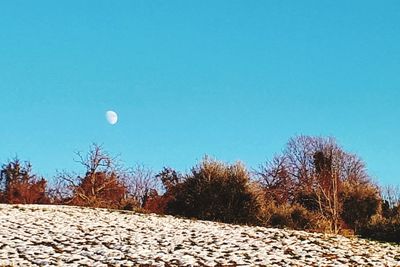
x,y
44,235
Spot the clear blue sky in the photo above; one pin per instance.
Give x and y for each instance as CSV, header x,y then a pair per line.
x,y
232,79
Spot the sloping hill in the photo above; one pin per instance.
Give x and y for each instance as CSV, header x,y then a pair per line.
x,y
36,235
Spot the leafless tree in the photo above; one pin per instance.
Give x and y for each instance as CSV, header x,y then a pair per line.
x,y
101,185
141,183
61,187
391,194
314,168
327,186
275,179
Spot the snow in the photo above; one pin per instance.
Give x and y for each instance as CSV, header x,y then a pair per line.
x,y
44,235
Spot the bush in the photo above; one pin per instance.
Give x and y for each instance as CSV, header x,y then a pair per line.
x,y
158,204
292,216
307,199
280,219
20,186
218,192
360,203
383,229
129,204
99,190
301,218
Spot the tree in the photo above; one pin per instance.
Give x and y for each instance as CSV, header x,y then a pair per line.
x,y
310,172
19,186
102,185
172,183
327,186
276,181
391,200
141,184
169,178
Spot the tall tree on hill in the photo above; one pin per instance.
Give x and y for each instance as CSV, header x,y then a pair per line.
x,y
310,172
327,187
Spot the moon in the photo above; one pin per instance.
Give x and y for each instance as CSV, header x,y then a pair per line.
x,y
111,117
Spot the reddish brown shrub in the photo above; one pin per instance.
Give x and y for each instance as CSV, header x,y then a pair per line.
x,y
158,204
100,190
33,192
20,186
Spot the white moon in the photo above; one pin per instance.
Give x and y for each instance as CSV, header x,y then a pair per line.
x,y
111,117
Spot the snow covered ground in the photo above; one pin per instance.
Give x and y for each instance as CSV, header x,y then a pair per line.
x,y
41,235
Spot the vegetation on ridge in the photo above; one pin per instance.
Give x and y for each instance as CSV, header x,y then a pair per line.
x,y
312,185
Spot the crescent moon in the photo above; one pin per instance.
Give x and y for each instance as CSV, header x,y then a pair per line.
x,y
111,117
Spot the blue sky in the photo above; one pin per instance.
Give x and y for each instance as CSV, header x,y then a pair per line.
x,y
232,79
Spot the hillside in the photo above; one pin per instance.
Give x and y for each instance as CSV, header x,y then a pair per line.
x,y
34,235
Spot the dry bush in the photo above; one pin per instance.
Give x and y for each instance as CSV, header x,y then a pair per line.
x,y
33,192
385,225
129,204
170,179
60,191
302,218
277,215
294,217
215,191
360,203
100,190
381,228
20,186
105,183
158,204
307,199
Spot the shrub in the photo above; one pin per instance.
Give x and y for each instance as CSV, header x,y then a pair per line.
x,y
360,203
292,216
301,218
20,186
307,199
280,219
158,204
216,191
383,229
129,204
100,190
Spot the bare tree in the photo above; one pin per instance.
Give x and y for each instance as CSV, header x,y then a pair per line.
x,y
391,194
141,184
327,186
102,184
62,187
312,170
276,181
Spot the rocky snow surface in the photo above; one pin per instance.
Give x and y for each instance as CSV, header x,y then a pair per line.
x,y
41,235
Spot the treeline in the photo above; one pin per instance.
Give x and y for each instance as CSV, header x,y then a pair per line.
x,y
312,185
